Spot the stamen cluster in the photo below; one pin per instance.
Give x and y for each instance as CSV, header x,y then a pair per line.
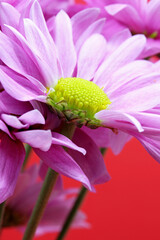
x,y
78,99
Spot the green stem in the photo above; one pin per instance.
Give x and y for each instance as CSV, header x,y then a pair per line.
x,y
49,182
75,207
72,213
68,129
2,210
39,208
28,149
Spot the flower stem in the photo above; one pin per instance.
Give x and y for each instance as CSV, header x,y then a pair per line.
x,y
48,184
39,208
72,213
2,210
68,129
28,149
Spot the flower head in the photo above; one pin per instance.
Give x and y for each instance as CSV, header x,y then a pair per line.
x,y
26,193
43,68
139,17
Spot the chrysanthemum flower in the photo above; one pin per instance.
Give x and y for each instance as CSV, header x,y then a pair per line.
x,y
72,76
139,17
57,158
26,193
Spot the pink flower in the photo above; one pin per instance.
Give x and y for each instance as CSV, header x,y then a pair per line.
x,y
36,61
57,209
39,72
139,17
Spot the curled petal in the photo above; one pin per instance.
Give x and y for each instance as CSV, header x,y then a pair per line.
x,y
41,139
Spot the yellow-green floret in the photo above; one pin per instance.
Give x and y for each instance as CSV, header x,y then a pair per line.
x,y
76,94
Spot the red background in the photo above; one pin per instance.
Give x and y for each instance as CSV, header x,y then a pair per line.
x,y
125,208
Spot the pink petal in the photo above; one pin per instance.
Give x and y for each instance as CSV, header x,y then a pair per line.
x,y
151,146
118,120
11,105
4,128
126,14
153,14
42,49
125,53
82,20
133,74
12,154
105,137
45,70
59,160
36,138
92,163
95,27
91,55
16,58
19,87
61,140
8,15
64,43
32,117
36,15
13,121
138,100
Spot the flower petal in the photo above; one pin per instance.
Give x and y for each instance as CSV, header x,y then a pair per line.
x,y
105,137
19,87
91,54
12,106
42,48
60,161
12,154
140,99
125,53
4,128
64,141
118,120
32,117
14,56
95,27
151,146
64,43
82,20
133,74
36,15
121,12
92,163
13,121
8,15
41,139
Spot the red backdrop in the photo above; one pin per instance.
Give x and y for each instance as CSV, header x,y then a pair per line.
x,y
127,207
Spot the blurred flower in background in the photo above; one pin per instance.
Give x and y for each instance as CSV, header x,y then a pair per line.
x,y
20,205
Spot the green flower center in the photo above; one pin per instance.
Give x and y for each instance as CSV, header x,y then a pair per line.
x,y
78,96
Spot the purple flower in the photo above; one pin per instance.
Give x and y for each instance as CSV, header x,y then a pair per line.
x,y
139,17
58,207
37,74
112,92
